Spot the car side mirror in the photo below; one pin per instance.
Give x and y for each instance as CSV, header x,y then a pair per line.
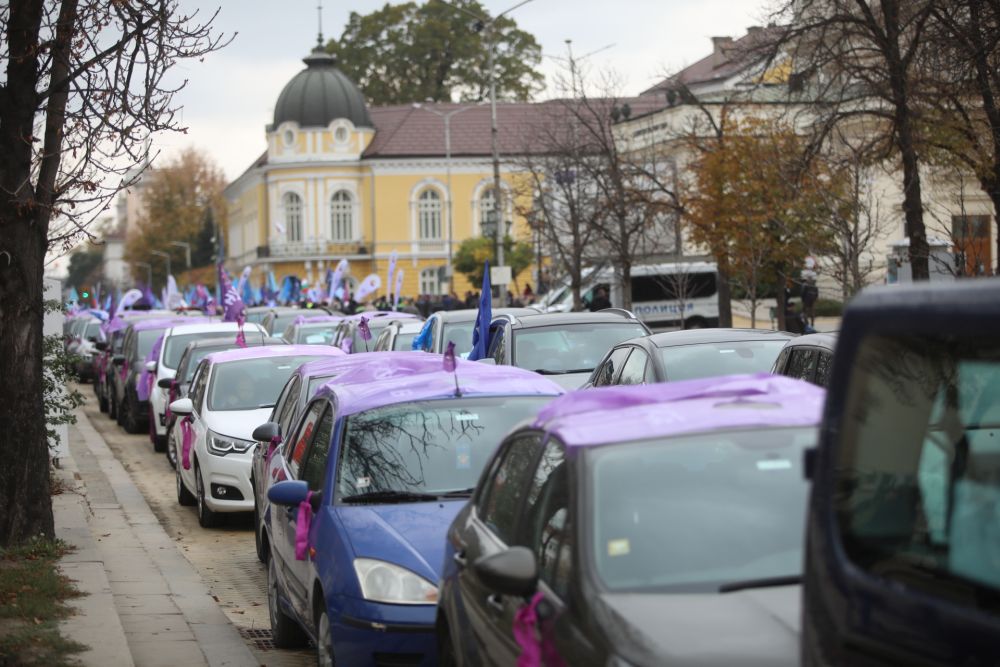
x,y
182,406
291,492
165,383
510,572
267,432
101,345
118,359
151,366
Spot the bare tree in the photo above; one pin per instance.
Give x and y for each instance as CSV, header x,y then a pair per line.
x,y
85,86
862,60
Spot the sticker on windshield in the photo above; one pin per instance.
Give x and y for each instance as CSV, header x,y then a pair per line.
x,y
619,547
363,482
463,456
774,464
466,417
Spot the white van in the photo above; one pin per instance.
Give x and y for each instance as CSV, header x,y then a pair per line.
x,y
672,294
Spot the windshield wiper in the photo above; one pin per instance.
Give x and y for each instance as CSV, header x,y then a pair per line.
x,y
389,497
766,582
456,493
545,371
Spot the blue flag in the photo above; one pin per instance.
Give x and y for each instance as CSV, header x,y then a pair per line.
x,y
481,332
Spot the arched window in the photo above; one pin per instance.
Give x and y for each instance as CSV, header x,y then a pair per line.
x,y
487,203
429,283
341,216
293,216
429,215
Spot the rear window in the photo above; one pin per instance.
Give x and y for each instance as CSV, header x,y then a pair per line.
x,y
918,471
673,287
175,345
249,384
687,362
404,342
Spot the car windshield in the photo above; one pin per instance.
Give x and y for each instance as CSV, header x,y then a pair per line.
x,y
93,328
695,513
255,316
316,334
459,333
687,362
429,447
174,346
248,384
358,344
147,338
282,320
570,348
404,342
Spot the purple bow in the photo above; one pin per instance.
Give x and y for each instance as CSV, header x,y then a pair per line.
x,y
187,439
302,524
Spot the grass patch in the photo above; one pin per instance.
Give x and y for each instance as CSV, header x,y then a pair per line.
x,y
32,596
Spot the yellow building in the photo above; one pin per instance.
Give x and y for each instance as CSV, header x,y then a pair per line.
x,y
340,180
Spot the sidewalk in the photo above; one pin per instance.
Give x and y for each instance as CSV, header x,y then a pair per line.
x,y
145,605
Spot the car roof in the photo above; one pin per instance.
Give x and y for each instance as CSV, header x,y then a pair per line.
x,y
160,323
470,314
317,319
548,319
824,340
261,351
377,379
608,415
210,326
717,335
225,343
380,314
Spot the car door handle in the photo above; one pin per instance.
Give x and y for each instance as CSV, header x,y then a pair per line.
x,y
459,558
495,602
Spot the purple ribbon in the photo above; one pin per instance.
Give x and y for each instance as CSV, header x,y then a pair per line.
x,y
272,447
187,439
302,524
535,652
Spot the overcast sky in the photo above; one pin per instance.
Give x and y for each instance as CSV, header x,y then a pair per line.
x,y
230,96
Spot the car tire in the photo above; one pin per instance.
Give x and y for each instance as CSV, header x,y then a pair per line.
x,y
102,401
171,448
184,497
131,418
206,517
159,441
285,632
258,536
324,640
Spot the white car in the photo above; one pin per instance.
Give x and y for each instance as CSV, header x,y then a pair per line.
x,y
175,339
231,394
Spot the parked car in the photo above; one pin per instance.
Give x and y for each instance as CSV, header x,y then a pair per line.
x,y
567,346
398,336
687,355
177,386
455,326
231,392
131,411
165,356
644,526
277,318
312,329
387,453
808,358
84,347
292,401
104,367
903,537
348,334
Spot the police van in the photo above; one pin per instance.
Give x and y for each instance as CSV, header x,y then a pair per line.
x,y
671,294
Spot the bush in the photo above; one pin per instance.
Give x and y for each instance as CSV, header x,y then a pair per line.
x,y
829,308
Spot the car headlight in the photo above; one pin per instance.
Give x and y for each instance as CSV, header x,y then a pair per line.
x,y
220,445
385,582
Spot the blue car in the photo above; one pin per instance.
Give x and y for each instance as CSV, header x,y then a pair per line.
x,y
381,461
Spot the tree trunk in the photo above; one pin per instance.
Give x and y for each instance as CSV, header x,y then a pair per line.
x,y
25,503
627,284
781,298
725,297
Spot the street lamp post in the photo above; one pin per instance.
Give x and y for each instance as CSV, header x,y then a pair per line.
x,y
487,25
164,255
149,272
447,166
187,250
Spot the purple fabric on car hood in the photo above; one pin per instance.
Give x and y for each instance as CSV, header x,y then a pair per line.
x,y
619,414
375,379
274,351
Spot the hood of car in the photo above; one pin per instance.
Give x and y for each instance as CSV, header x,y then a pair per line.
x,y
754,628
411,535
237,423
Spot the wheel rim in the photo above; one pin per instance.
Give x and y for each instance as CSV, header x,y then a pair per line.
x,y
171,449
324,645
